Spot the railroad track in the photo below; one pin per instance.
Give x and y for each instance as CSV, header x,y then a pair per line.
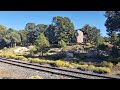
x,y
55,70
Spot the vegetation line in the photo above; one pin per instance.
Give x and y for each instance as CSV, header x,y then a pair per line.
x,y
59,69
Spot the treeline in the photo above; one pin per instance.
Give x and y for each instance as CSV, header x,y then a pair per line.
x,y
112,24
61,28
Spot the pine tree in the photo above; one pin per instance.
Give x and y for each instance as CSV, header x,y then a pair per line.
x,y
42,43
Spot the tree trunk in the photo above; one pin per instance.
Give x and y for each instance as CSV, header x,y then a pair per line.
x,y
42,53
11,45
15,45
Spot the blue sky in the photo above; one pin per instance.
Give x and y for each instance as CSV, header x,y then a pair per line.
x,y
18,19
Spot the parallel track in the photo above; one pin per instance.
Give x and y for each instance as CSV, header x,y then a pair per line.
x,y
54,70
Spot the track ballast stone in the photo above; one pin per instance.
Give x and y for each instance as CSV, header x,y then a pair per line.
x,y
24,73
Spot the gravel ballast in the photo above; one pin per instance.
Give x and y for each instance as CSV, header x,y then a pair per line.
x,y
23,73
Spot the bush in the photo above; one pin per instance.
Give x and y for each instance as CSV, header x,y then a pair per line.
x,y
82,63
118,64
82,67
75,65
60,63
114,60
62,44
91,67
12,56
48,61
41,61
58,56
8,55
35,60
30,59
102,47
106,64
21,58
102,70
32,49
77,60
88,44
24,59
115,51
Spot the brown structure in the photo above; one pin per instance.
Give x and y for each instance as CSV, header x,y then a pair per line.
x,y
79,36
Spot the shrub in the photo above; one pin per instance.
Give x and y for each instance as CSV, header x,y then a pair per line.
x,y
48,61
58,56
91,67
75,65
8,55
12,56
77,60
82,63
41,61
101,70
32,49
102,47
88,44
24,59
82,67
35,77
118,64
62,44
114,60
21,58
35,60
106,64
60,63
30,59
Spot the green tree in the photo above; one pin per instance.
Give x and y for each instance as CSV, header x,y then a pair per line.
x,y
33,31
41,28
102,47
90,33
15,38
62,44
61,29
112,21
42,44
113,38
50,34
106,39
2,41
30,26
10,38
112,24
23,36
99,40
